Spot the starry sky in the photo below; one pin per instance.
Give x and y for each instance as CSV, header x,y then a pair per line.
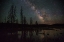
x,y
43,11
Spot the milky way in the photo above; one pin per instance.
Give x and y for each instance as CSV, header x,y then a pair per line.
x,y
43,11
35,10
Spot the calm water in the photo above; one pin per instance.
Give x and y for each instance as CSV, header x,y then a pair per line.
x,y
32,36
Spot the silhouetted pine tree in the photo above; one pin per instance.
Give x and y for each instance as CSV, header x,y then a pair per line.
x,y
21,16
36,22
15,14
25,20
16,20
31,21
5,19
12,14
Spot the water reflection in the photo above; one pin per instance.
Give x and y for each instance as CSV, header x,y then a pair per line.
x,y
42,34
33,36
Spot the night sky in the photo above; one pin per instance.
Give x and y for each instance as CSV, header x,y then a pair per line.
x,y
43,11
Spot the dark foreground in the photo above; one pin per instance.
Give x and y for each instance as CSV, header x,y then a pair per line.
x,y
11,37
31,33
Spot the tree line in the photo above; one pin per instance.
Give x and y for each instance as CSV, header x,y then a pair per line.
x,y
11,18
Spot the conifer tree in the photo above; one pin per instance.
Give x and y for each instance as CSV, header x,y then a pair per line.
x,y
31,21
25,20
21,14
12,14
